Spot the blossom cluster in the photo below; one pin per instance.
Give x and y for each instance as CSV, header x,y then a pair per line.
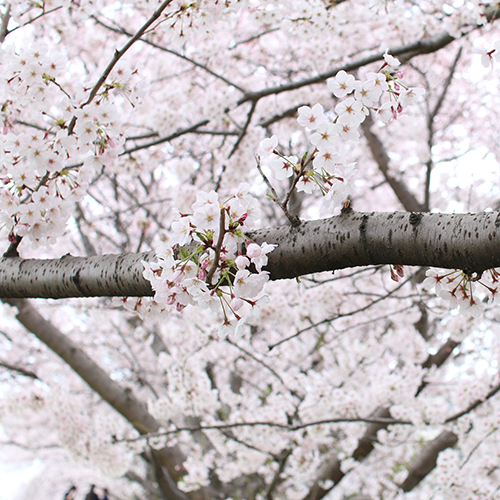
x,y
210,262
470,293
44,171
326,166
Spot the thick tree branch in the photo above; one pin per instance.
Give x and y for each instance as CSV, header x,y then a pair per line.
x,y
120,398
120,275
454,241
427,459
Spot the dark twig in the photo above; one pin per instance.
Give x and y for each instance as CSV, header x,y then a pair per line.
x,y
123,31
294,220
244,129
338,316
285,427
117,56
44,13
19,369
222,232
474,405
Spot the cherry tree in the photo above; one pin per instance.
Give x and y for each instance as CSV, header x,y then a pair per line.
x,y
250,248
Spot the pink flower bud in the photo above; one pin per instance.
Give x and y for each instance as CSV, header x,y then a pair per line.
x,y
236,304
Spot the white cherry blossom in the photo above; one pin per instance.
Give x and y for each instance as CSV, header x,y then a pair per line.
x,y
342,84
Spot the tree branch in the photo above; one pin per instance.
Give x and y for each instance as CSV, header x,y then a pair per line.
x,y
427,460
469,242
405,53
332,470
168,138
119,53
18,369
475,404
121,399
430,127
123,31
4,22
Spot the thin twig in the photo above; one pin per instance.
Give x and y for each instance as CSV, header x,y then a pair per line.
x,y
222,232
117,56
44,13
244,130
473,405
250,355
285,427
123,31
168,138
303,166
19,369
338,316
495,429
294,220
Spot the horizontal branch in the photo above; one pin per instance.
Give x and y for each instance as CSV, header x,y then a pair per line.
x,y
379,422
98,276
454,241
404,52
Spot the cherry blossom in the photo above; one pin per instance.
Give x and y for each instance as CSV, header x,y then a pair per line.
x,y
311,118
267,146
342,84
177,132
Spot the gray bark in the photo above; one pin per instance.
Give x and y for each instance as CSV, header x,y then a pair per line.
x,y
427,459
455,241
122,399
97,276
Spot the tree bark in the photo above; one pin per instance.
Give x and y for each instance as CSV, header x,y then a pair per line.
x,y
120,398
427,460
454,241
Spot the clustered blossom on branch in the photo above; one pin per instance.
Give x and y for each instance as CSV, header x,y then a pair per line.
x,y
326,166
210,262
208,257
469,293
45,171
